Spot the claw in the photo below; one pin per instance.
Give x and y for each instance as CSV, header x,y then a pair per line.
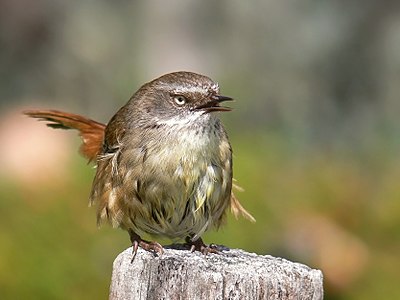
x,y
137,241
135,246
198,245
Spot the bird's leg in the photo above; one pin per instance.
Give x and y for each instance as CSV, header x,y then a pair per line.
x,y
198,245
146,245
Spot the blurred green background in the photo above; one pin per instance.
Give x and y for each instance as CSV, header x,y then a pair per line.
x,y
315,131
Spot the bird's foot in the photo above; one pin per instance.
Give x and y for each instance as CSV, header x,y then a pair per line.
x,y
198,245
137,242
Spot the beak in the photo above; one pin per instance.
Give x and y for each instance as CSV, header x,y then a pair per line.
x,y
214,104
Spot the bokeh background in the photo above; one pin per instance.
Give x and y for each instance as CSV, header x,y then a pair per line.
x,y
315,131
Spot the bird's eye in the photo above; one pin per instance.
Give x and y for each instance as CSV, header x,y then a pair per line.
x,y
180,100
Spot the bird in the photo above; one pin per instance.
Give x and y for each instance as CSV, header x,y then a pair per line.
x,y
163,161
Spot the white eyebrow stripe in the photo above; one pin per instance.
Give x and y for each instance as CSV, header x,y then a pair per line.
x,y
196,88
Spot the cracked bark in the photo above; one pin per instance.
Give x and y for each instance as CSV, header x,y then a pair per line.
x,y
233,274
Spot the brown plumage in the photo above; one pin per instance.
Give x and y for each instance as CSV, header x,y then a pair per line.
x,y
164,161
91,132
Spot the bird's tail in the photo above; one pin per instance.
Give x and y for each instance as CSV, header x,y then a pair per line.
x,y
91,132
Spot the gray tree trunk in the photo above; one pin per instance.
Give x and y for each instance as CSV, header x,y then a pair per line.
x,y
233,274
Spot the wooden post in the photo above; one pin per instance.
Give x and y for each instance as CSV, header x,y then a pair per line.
x,y
233,274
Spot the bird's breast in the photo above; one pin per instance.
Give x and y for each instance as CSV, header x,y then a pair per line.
x,y
187,181
188,153
174,182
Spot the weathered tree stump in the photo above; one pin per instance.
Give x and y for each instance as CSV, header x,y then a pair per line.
x,y
233,274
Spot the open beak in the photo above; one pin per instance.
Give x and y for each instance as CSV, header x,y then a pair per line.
x,y
214,104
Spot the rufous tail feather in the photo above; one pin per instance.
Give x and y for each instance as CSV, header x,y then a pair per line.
x,y
91,132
